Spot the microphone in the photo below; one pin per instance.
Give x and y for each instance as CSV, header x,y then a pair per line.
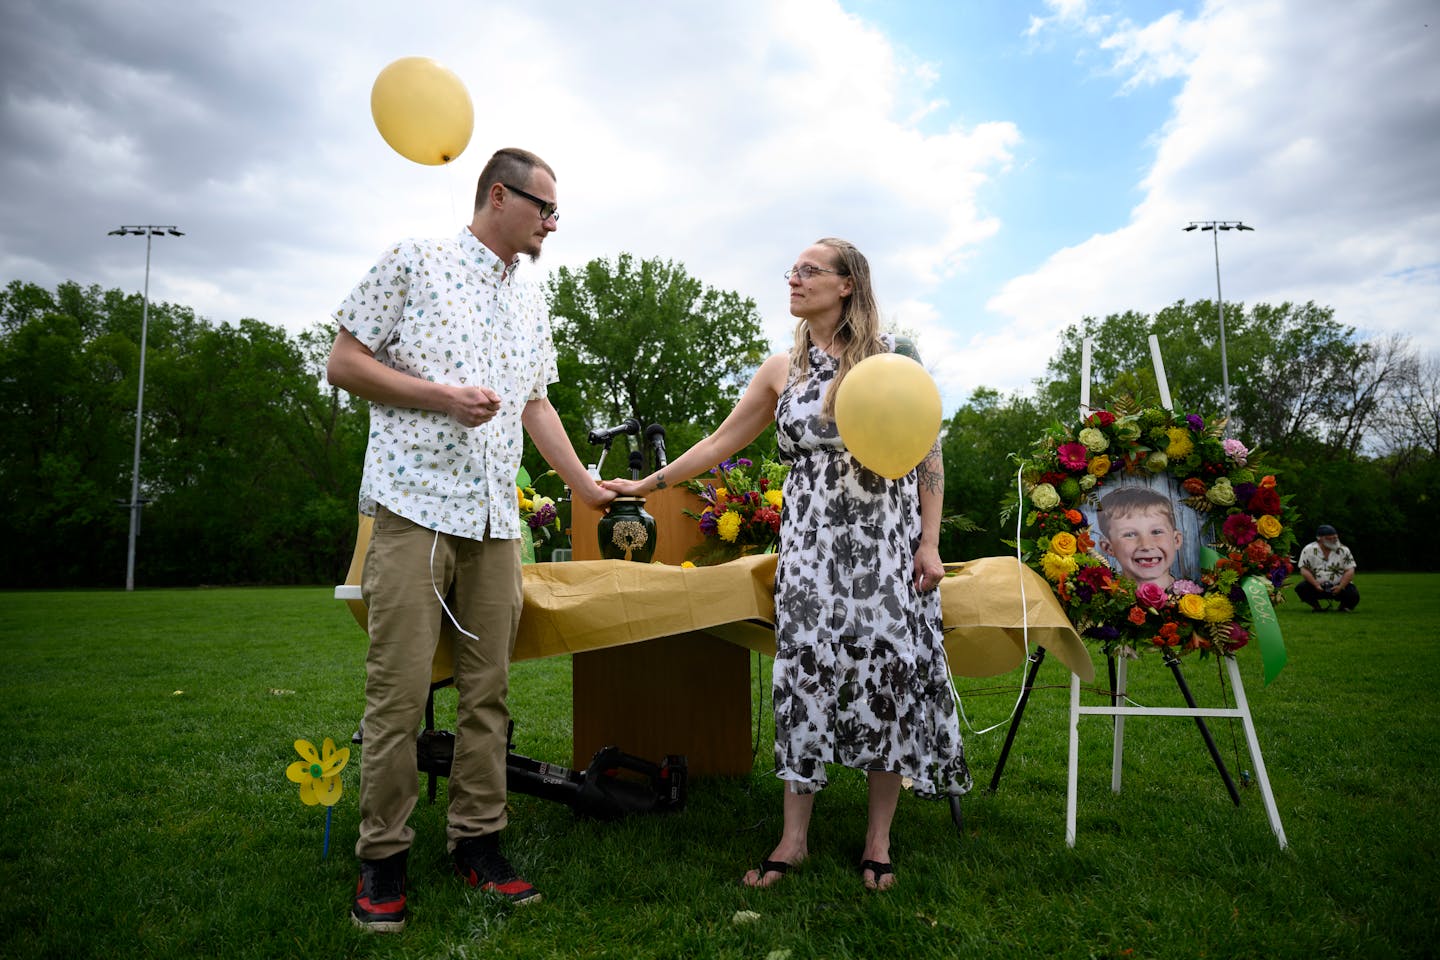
x,y
637,464
655,436
630,427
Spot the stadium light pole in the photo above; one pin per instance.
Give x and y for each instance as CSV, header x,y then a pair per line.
x,y
148,231
1215,226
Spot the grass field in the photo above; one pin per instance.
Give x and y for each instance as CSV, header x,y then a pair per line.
x,y
144,810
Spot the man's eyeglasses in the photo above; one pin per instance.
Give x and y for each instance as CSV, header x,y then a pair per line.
x,y
547,208
805,271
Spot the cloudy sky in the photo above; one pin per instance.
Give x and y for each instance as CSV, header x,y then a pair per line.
x,y
1009,166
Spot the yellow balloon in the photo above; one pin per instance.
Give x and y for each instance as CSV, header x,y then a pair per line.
x,y
888,413
422,110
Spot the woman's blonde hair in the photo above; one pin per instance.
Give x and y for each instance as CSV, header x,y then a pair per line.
x,y
858,331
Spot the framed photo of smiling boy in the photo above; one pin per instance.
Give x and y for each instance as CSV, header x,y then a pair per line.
x,y
1147,533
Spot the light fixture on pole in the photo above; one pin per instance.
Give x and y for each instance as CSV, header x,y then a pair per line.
x,y
147,231
1215,226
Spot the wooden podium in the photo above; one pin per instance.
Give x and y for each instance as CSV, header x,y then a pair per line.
x,y
684,694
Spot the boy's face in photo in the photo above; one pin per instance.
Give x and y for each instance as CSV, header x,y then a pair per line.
x,y
1145,543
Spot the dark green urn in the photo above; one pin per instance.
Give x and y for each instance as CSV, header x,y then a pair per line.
x,y
626,531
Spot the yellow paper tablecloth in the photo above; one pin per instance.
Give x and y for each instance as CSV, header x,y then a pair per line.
x,y
591,604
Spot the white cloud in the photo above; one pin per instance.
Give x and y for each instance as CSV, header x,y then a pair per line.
x,y
1316,123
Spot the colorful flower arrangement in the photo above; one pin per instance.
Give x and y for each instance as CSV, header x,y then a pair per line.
x,y
536,512
742,510
1246,521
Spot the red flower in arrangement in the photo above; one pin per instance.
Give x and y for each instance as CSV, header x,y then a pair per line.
x,y
1239,528
1137,616
1264,500
1194,486
1100,418
1096,577
768,516
1075,517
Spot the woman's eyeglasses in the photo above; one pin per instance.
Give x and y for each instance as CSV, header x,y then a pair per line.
x,y
805,271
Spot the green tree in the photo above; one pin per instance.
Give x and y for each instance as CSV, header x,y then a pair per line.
x,y
249,465
977,444
644,339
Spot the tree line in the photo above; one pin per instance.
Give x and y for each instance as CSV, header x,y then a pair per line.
x,y
251,462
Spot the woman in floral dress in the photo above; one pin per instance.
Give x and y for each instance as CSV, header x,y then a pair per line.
x,y
860,676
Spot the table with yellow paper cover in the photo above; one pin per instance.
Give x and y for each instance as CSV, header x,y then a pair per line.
x,y
583,606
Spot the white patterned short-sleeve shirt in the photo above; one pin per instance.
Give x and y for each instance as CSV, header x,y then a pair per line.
x,y
448,311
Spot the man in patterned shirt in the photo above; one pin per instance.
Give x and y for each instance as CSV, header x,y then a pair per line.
x,y
1327,568
451,345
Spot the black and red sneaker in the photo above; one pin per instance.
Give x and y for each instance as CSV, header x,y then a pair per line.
x,y
380,894
480,862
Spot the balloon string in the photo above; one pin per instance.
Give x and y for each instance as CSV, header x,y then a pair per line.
x,y
1024,615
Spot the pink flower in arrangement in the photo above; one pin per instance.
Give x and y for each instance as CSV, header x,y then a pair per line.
x,y
1182,587
1074,456
1151,594
1236,450
1239,528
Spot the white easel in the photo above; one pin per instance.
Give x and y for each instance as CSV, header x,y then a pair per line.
x,y
1241,709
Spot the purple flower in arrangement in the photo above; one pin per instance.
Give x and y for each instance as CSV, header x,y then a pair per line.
x,y
1278,575
1104,632
543,517
1243,493
1181,587
1195,422
707,523
729,465
1083,592
1237,595
1150,594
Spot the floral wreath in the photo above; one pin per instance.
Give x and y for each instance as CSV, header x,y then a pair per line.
x,y
1246,522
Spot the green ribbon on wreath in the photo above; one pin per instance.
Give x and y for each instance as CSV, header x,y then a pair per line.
x,y
1262,618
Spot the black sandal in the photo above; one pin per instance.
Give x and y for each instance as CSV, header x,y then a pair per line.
x,y
876,868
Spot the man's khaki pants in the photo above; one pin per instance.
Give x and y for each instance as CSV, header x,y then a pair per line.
x,y
481,583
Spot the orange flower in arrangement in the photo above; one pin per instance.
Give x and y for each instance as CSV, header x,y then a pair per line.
x,y
1075,517
1083,543
1137,616
1169,635
1194,486
1267,481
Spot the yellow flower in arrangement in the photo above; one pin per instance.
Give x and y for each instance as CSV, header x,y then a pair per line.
x,y
774,498
1099,466
1180,446
1219,609
728,526
1057,567
1269,526
1064,544
687,565
318,773
1192,605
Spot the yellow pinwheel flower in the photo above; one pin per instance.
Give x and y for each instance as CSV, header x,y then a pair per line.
x,y
317,774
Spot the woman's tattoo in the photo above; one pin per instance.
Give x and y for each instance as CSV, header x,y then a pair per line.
x,y
931,472
659,481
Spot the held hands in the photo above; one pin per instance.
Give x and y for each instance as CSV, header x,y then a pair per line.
x,y
626,488
472,406
594,495
929,571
